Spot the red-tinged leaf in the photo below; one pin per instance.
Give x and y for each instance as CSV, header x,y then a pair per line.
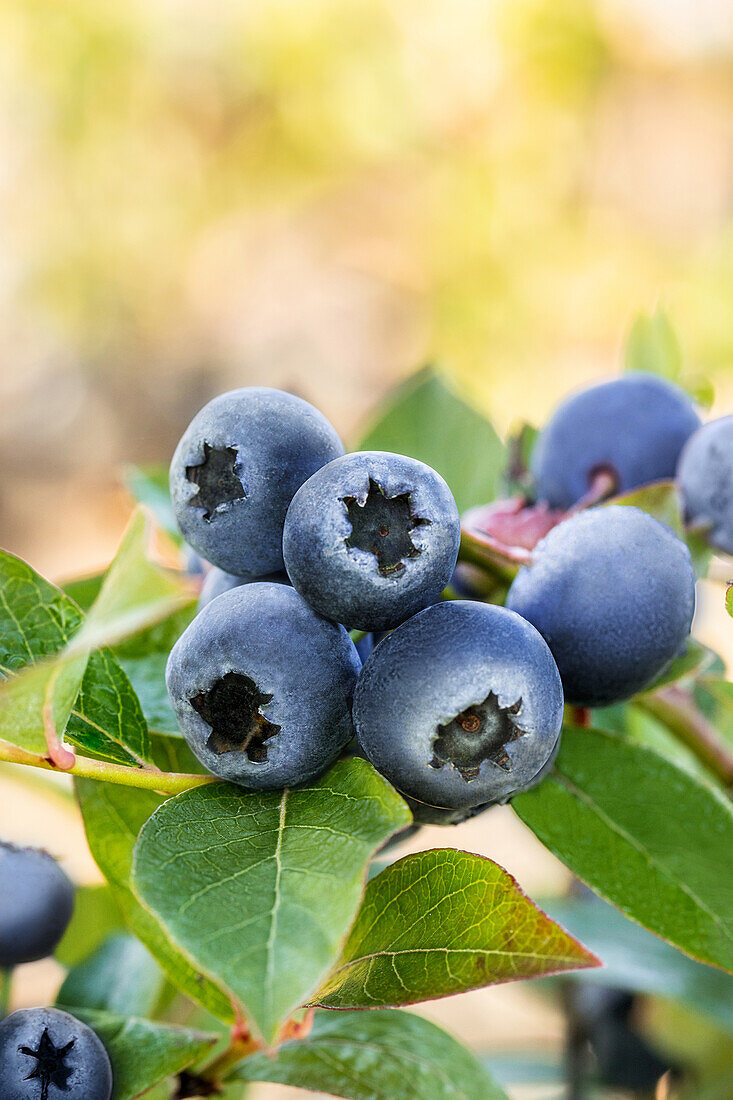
x,y
442,922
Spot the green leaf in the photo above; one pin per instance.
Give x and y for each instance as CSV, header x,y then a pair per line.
x,y
107,720
143,1053
113,817
46,650
96,915
633,959
425,419
171,754
135,593
376,1055
84,590
652,346
729,599
266,884
693,662
646,835
149,486
121,976
37,620
144,659
442,922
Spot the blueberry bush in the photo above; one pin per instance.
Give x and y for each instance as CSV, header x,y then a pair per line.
x,y
243,758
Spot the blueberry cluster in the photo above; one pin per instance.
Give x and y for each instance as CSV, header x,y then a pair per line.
x,y
43,1052
457,702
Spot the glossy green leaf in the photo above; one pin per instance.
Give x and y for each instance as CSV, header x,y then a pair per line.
x,y
107,719
143,1053
36,617
425,419
636,960
113,817
96,915
260,888
46,650
442,922
121,976
37,620
644,834
149,486
378,1055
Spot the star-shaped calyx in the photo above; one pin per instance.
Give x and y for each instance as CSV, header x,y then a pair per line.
x,y
480,732
232,709
50,1068
383,526
216,478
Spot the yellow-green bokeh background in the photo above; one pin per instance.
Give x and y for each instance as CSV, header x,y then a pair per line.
x,y
322,195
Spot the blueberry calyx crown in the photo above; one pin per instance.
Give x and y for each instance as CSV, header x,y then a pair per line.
x,y
383,526
232,708
480,732
216,479
50,1068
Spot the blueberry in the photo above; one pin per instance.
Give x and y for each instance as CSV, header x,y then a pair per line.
x,y
236,469
36,903
364,646
372,538
612,591
217,581
262,687
194,564
423,814
634,427
460,706
46,1054
705,478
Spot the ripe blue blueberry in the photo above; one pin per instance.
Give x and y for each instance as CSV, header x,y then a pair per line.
x,y
36,903
236,469
46,1054
262,687
372,538
460,706
217,581
633,427
612,591
705,478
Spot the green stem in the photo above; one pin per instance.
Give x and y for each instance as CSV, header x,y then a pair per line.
x,y
86,768
6,983
675,709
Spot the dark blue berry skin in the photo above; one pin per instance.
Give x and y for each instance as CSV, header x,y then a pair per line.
x,y
217,581
195,565
36,903
262,687
460,706
364,646
72,1063
705,478
371,539
635,426
612,591
236,469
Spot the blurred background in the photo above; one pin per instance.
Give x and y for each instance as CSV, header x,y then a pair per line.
x,y
324,195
